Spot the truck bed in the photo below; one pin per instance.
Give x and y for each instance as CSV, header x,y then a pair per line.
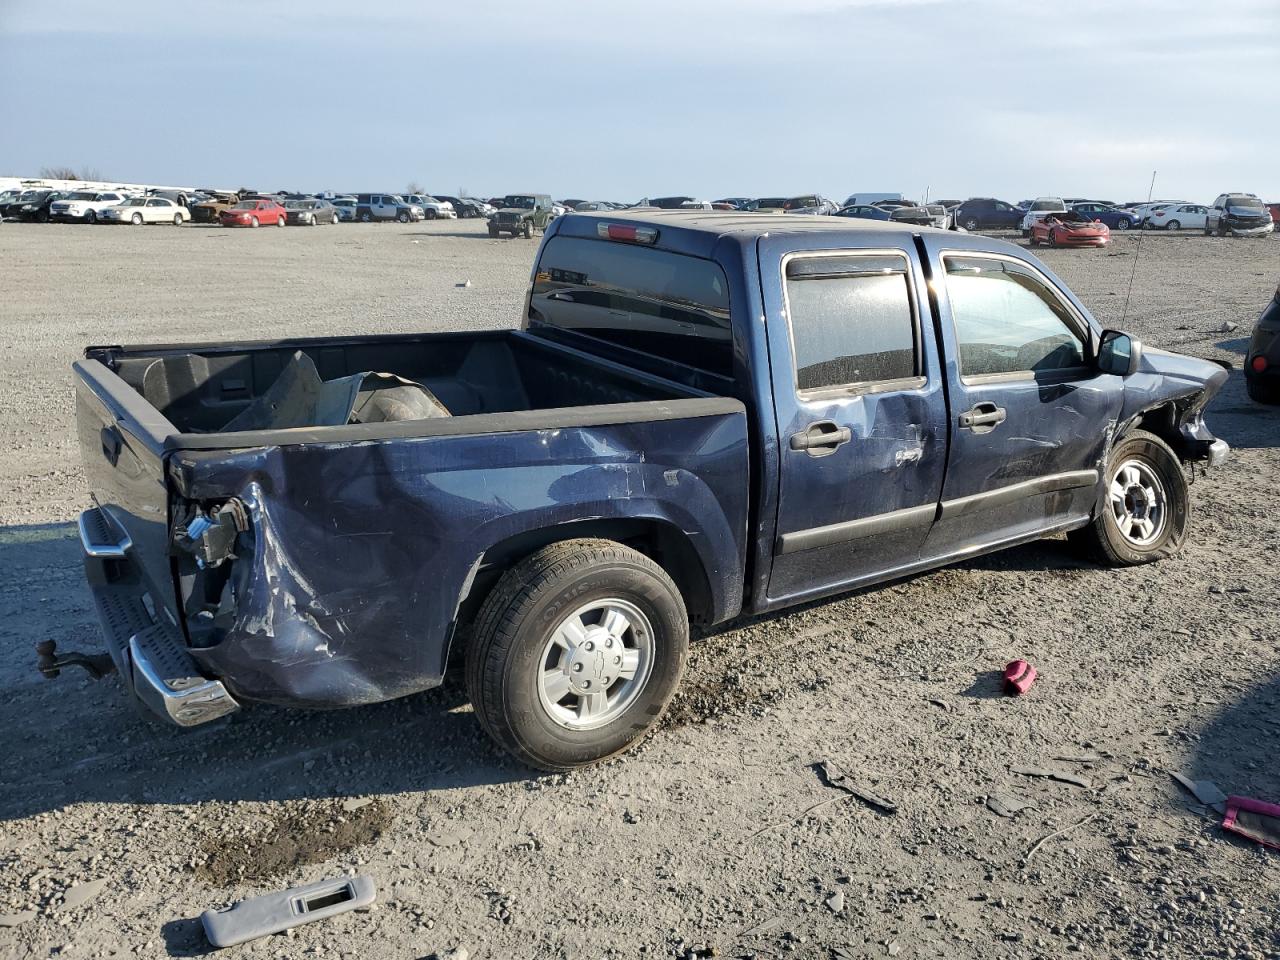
x,y
358,545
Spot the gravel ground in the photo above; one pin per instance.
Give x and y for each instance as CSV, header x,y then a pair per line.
x,y
719,836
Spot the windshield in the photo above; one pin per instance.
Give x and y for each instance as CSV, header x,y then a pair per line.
x,y
301,204
1053,206
771,202
1245,203
246,205
516,200
137,202
937,209
83,196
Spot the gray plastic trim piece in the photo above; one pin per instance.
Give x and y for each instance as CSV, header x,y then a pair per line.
x,y
274,912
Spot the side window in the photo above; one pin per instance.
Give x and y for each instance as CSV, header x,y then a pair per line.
x,y
1008,321
155,203
852,320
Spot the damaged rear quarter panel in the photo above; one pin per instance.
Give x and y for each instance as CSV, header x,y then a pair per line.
x,y
362,550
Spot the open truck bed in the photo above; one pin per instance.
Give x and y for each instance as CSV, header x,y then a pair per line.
x,y
327,565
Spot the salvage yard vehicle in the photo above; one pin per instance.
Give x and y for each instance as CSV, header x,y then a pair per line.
x,y
371,207
1178,216
1069,229
33,206
85,205
140,210
310,212
1240,215
703,414
210,209
1114,217
433,208
522,215
864,211
1040,207
1262,360
254,213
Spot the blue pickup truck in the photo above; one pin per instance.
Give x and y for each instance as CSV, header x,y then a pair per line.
x,y
703,414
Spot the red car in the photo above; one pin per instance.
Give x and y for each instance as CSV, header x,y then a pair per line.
x,y
254,213
1069,229
1275,212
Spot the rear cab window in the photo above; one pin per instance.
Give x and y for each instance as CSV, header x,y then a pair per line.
x,y
667,305
853,321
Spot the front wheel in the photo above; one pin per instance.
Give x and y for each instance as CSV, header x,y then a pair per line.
x,y
1173,225
177,219
91,217
402,217
527,230
137,219
971,224
1145,509
576,653
1053,238
280,221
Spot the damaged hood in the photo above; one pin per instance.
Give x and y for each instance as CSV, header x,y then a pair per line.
x,y
1193,370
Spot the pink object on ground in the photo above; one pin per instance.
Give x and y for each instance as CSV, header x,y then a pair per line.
x,y
1018,677
1254,819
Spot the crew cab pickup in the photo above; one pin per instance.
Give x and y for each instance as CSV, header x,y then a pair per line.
x,y
702,414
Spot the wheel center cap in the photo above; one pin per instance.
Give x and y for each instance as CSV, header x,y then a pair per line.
x,y
1136,503
593,665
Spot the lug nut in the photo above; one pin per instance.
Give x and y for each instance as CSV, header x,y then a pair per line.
x,y
590,646
586,684
617,659
609,642
577,668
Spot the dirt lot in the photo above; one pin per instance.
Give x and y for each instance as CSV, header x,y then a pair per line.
x,y
718,834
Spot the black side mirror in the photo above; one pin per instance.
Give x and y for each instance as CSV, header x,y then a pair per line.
x,y
1119,353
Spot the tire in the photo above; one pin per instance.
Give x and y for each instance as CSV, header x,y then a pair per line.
x,y
971,224
177,219
514,641
1123,224
281,220
1173,225
527,230
1261,391
253,222
1143,457
1053,238
136,219
91,216
402,217
1035,241
431,214
493,233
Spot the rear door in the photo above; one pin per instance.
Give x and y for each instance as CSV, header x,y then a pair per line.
x,y
1030,417
859,407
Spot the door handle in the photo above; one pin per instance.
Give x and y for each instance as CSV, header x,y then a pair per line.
x,y
112,441
821,439
983,418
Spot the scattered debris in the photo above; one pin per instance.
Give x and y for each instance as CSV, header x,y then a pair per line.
x,y
13,919
1059,775
835,777
1255,819
1206,791
355,803
941,703
82,893
1018,677
455,953
1081,758
1057,833
835,902
1007,804
763,927
276,912
1227,326
464,283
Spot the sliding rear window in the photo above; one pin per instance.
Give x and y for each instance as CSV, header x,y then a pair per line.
x,y
664,304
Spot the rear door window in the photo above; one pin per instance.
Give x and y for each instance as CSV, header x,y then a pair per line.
x,y
852,320
1007,320
665,304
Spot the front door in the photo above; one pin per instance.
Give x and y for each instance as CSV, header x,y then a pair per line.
x,y
1031,418
860,412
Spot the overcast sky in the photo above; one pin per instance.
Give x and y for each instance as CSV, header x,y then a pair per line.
x,y
618,100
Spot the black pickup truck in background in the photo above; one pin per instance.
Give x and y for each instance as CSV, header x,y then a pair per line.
x,y
703,413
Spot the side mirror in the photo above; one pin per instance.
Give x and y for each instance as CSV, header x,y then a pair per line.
x,y
1119,353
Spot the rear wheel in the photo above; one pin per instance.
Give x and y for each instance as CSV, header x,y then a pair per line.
x,y
1035,241
1144,512
177,219
136,219
1123,224
1173,225
576,653
971,224
1262,391
253,222
1053,238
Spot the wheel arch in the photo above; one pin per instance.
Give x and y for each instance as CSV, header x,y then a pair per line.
x,y
657,538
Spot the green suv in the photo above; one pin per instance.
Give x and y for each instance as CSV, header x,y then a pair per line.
x,y
521,215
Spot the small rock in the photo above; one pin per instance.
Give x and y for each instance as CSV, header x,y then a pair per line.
x,y
82,893
1227,326
835,902
355,803
892,948
457,953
